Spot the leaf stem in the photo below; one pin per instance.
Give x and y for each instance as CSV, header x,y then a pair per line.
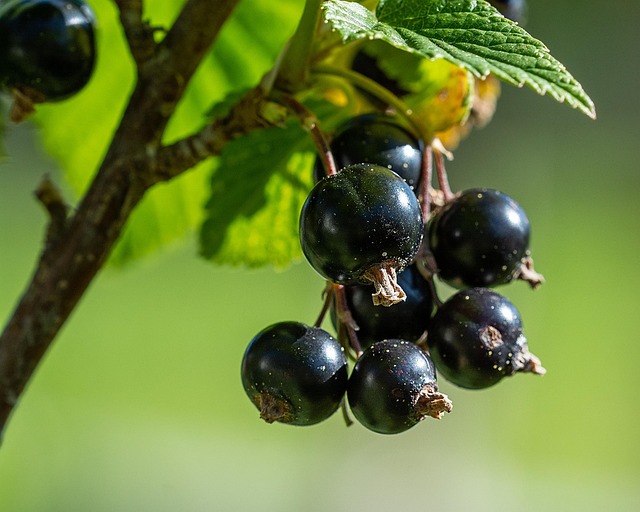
x,y
294,62
378,91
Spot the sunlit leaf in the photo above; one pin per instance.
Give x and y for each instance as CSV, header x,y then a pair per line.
x,y
257,192
468,33
439,93
77,131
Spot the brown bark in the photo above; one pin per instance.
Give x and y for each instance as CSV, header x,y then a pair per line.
x,y
77,247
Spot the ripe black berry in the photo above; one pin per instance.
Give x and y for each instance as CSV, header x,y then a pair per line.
x,y
360,226
377,139
294,373
513,9
47,47
481,238
476,339
407,320
393,387
367,65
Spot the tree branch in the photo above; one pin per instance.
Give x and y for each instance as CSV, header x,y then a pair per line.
x,y
138,33
83,243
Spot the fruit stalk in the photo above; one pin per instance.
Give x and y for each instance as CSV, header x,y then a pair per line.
x,y
441,173
376,90
309,121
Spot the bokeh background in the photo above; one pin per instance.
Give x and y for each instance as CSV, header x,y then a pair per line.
x,y
139,405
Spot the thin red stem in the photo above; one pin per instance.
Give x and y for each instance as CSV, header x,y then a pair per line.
x,y
310,122
441,172
328,297
426,172
346,320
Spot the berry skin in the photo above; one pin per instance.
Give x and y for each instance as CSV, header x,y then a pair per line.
x,y
376,139
294,373
367,65
47,47
393,387
361,226
407,320
481,238
515,10
476,339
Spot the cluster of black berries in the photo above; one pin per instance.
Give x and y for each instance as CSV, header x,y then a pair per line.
x,y
47,50
378,233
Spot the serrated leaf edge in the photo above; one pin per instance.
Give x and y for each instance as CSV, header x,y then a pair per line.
x,y
374,29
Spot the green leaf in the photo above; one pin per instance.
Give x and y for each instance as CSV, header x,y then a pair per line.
x,y
77,131
469,33
257,191
440,94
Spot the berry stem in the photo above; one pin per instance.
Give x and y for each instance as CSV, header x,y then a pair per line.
x,y
426,172
309,122
345,413
327,294
443,179
427,267
345,319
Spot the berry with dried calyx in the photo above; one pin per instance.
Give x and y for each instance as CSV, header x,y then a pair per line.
x,y
362,225
294,373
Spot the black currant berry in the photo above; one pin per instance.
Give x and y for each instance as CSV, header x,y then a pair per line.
x,y
393,387
294,373
367,65
361,226
47,47
481,238
476,339
515,10
376,139
407,320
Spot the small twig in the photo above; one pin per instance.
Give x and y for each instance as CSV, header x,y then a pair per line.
x,y
50,197
247,115
138,32
345,413
66,268
346,319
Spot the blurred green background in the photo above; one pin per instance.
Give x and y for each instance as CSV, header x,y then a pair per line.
x,y
139,405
